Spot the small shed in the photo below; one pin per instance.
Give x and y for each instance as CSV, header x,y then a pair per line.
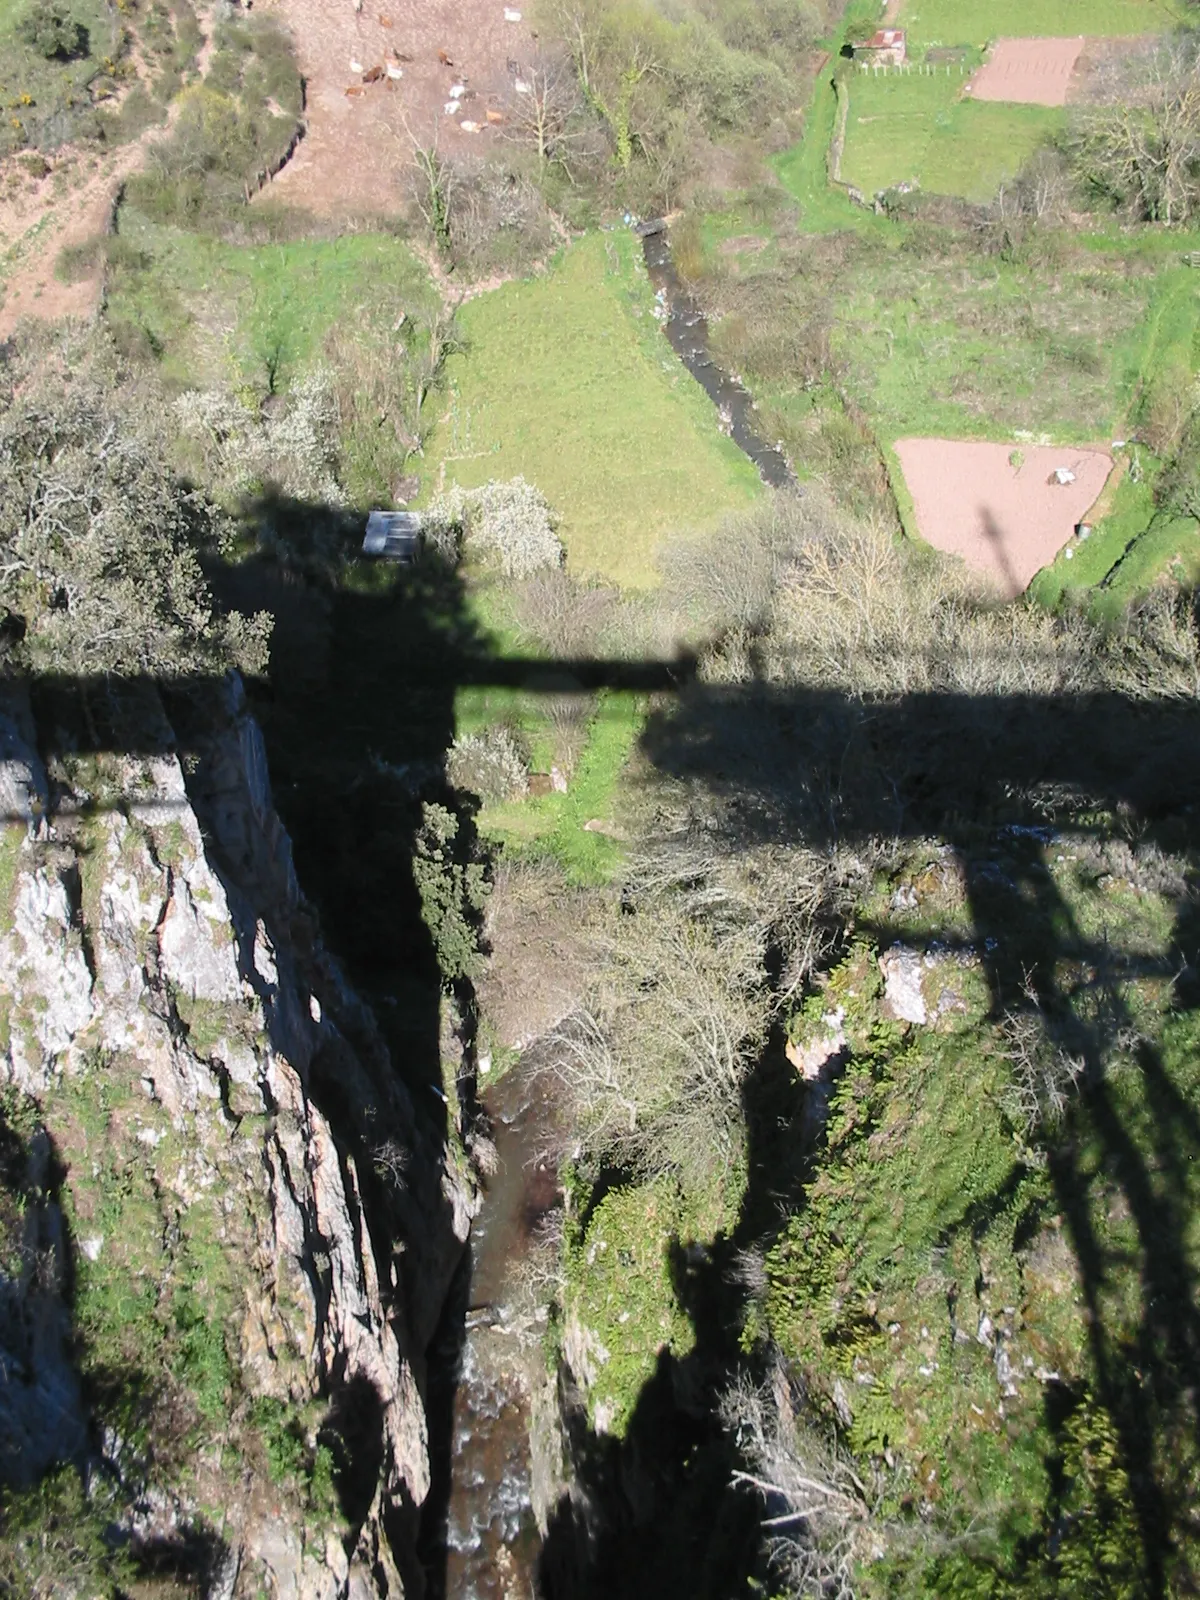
x,y
885,48
393,535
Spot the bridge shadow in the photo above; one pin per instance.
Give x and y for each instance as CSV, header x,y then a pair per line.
x,y
358,710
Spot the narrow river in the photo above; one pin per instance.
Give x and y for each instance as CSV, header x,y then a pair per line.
x,y
687,330
491,1539
491,1543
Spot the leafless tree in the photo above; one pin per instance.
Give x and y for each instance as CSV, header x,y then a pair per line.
x,y
434,177
654,1066
545,112
1141,150
817,1514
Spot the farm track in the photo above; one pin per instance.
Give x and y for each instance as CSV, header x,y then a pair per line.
x,y
36,233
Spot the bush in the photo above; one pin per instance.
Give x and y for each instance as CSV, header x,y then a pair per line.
x,y
453,887
489,764
565,618
100,550
230,132
51,30
76,263
505,525
290,448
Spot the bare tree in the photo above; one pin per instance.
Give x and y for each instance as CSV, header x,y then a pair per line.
x,y
544,111
655,1066
817,1515
435,181
611,62
1141,150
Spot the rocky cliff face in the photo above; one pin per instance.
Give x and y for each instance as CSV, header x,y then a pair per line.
x,y
227,1236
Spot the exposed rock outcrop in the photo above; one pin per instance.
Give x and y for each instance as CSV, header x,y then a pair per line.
x,y
169,1013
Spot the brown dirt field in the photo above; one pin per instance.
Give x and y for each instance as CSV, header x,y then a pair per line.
x,y
1005,521
1028,72
355,158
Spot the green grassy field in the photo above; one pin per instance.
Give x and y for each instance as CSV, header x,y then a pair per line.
x,y
804,172
556,824
913,128
567,380
956,22
215,312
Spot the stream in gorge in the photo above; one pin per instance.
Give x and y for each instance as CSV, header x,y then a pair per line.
x,y
491,1542
490,1361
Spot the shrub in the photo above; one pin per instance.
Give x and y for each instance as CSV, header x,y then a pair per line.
x,y
51,30
489,764
453,887
506,525
291,447
100,550
230,131
563,616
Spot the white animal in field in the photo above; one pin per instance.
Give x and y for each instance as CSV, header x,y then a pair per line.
x,y
451,108
510,15
457,91
394,71
521,86
470,127
356,66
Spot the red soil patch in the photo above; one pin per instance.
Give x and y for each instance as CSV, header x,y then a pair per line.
x,y
1006,521
356,156
1028,72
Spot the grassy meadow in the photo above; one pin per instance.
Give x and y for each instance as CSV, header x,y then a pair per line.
x,y
914,128
214,312
975,22
566,380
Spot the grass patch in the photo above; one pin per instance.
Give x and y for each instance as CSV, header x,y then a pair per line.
x,y
619,1285
253,313
942,341
955,22
804,172
567,380
1094,558
556,823
1168,548
913,128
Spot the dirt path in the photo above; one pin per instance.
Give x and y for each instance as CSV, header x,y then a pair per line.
x,y
42,222
72,204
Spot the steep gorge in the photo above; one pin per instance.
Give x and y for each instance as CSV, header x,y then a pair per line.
x,y
203,1116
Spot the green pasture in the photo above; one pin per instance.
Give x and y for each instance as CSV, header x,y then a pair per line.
x,y
974,22
803,169
214,312
556,824
913,127
978,347
567,380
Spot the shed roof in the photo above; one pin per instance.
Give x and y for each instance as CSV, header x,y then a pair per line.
x,y
393,534
884,39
